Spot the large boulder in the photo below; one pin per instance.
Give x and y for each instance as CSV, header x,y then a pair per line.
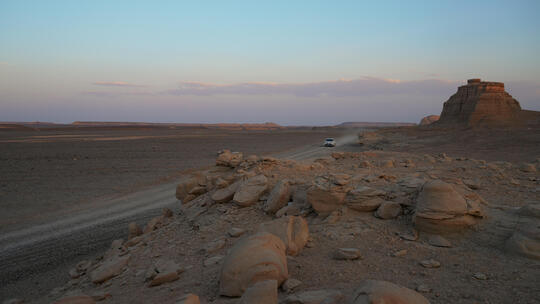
x,y
365,199
292,230
526,238
226,194
440,208
256,258
250,190
186,184
326,195
372,291
279,197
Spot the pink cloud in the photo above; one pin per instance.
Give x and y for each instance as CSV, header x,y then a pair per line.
x,y
117,84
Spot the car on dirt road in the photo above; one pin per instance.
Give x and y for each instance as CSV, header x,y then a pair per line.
x,y
329,142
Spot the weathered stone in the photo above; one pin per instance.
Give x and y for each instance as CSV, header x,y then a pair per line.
x,y
256,258
364,198
347,254
134,230
431,263
215,245
279,197
189,299
109,269
186,184
250,190
388,210
225,195
292,230
236,232
229,159
325,196
213,261
371,292
439,241
427,120
262,292
440,209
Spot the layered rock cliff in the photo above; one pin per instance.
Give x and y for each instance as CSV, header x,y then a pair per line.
x,y
480,103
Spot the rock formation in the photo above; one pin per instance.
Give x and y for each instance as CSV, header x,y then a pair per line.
x,y
429,120
480,103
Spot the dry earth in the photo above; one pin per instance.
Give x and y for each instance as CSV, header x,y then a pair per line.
x,y
389,175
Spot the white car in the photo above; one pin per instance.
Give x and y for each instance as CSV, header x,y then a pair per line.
x,y
329,142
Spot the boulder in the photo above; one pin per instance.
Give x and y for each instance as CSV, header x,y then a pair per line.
x,y
440,208
109,269
371,291
256,258
229,159
364,199
250,190
262,292
279,197
225,195
388,210
427,120
292,230
186,184
134,230
189,299
325,196
525,240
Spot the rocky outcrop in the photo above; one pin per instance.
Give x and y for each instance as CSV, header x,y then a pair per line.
x,y
480,103
292,230
429,120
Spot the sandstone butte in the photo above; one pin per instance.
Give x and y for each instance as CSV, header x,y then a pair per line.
x,y
482,103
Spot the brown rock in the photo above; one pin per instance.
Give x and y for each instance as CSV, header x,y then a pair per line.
x,y
262,292
225,195
292,230
440,209
279,197
347,254
229,159
371,292
256,258
189,299
364,198
186,184
388,210
480,103
427,120
250,190
325,196
109,269
134,230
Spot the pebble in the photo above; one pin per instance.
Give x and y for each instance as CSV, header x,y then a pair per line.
x,y
431,263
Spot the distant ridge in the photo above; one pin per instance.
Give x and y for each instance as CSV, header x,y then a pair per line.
x,y
359,124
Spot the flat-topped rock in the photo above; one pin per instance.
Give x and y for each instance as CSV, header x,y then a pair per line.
x,y
480,103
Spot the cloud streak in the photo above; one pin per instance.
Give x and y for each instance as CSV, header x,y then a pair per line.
x,y
122,84
366,86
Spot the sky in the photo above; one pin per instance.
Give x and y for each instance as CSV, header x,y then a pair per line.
x,y
288,62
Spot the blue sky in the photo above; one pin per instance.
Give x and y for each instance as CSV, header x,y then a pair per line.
x,y
129,60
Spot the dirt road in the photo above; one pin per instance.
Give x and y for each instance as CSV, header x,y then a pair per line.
x,y
38,258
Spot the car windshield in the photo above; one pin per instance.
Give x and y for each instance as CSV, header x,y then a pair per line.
x,y
329,139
